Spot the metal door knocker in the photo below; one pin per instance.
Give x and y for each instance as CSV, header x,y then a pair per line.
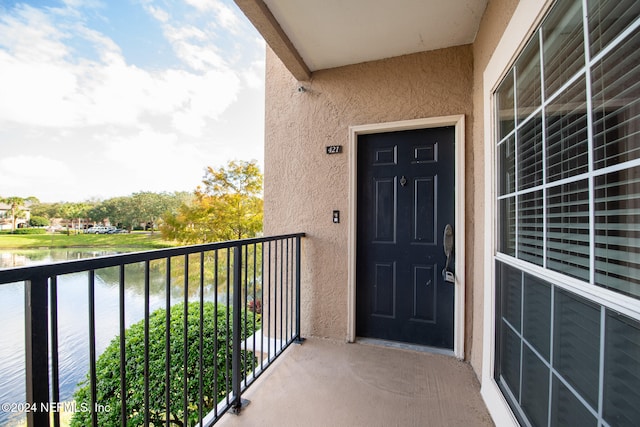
x,y
403,181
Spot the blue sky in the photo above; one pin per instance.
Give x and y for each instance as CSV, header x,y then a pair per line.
x,y
102,98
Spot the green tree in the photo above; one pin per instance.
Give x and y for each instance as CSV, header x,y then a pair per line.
x,y
138,208
75,212
47,210
150,207
214,353
110,209
17,208
38,221
228,206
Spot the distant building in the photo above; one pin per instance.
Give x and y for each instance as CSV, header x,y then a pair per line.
x,y
6,220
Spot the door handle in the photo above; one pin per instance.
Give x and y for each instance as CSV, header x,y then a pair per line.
x,y
447,243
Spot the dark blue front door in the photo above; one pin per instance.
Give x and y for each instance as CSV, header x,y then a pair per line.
x,y
405,199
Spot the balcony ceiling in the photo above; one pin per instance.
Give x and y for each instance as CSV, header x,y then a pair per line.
x,y
331,33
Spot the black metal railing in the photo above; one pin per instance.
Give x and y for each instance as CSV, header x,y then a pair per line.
x,y
251,286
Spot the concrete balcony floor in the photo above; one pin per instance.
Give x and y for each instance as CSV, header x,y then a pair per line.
x,y
329,383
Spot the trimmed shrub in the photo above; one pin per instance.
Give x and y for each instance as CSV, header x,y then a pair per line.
x,y
214,354
38,221
28,231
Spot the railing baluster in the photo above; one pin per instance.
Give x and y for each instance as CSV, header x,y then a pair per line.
x,y
36,339
146,344
167,344
280,336
185,347
299,338
215,330
55,371
293,289
268,305
201,341
245,300
236,380
286,297
228,326
255,303
275,297
92,346
123,355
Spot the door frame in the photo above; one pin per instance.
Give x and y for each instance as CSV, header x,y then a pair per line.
x,y
459,292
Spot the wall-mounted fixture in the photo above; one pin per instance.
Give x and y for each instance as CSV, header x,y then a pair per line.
x,y
302,89
336,217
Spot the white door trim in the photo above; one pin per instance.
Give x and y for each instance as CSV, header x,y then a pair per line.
x,y
459,304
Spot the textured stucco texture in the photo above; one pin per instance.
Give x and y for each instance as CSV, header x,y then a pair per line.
x,y
303,185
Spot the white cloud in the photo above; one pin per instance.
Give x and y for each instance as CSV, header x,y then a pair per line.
x,y
36,94
194,47
227,17
110,53
30,36
74,4
33,176
92,124
53,90
153,160
158,13
202,5
37,167
224,15
254,75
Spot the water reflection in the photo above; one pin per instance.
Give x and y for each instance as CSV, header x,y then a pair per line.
x,y
73,315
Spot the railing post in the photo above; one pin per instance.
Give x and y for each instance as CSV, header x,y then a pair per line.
x,y
36,349
298,338
236,322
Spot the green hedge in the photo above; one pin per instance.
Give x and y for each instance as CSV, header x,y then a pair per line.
x,y
26,231
214,354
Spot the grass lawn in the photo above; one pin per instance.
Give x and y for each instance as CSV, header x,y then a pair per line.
x,y
57,240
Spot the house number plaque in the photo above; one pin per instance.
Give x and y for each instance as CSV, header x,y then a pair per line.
x,y
334,149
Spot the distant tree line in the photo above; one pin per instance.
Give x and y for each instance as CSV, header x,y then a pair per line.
x,y
228,205
143,209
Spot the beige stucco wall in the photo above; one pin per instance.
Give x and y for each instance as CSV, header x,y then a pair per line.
x,y
303,185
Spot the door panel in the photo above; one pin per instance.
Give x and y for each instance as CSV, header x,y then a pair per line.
x,y
424,210
424,289
385,208
385,288
405,199
426,153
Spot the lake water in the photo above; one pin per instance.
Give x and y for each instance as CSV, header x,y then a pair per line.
x,y
73,316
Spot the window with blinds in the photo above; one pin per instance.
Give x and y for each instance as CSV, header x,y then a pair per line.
x,y
568,149
568,207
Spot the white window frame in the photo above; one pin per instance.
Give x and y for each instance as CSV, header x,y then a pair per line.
x,y
524,22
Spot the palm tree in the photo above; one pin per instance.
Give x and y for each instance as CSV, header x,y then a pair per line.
x,y
16,203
